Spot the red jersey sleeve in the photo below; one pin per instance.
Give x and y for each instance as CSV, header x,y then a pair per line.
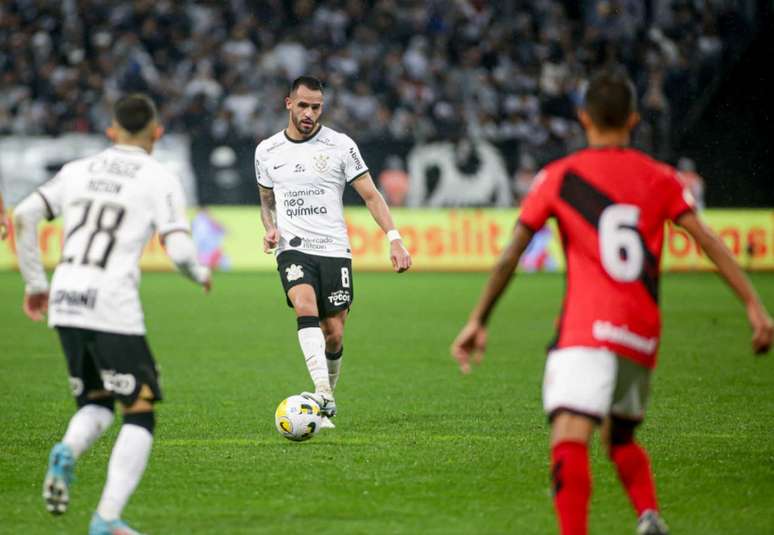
x,y
538,204
677,199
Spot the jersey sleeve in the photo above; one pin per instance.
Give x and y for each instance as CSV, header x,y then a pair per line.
x,y
538,204
52,193
169,207
261,173
354,166
677,199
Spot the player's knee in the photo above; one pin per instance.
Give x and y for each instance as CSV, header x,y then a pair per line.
x,y
621,432
140,404
101,398
305,307
333,339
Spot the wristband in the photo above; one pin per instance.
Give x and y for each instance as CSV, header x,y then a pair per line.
x,y
393,235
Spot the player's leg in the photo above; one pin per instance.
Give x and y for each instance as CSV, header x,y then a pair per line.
x,y
570,471
336,297
630,458
310,335
577,390
133,380
300,275
93,417
333,330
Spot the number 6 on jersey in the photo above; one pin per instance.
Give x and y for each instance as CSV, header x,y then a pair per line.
x,y
620,245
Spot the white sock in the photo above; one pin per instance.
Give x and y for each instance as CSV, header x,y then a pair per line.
x,y
86,426
127,464
312,344
334,370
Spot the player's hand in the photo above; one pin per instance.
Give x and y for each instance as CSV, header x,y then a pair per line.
x,y
3,227
469,346
35,306
762,327
400,257
270,240
207,285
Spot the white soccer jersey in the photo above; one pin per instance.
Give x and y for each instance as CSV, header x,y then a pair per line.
x,y
111,204
308,178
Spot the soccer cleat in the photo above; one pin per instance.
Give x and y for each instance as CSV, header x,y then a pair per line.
x,y
58,478
325,423
325,401
99,526
651,523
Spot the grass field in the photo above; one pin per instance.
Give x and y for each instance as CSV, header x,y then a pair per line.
x,y
419,449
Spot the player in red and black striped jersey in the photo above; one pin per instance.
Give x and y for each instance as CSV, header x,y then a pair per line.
x,y
610,203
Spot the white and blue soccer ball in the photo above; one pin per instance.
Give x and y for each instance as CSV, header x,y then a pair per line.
x,y
298,418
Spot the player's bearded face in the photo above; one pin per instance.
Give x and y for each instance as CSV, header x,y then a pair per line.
x,y
305,109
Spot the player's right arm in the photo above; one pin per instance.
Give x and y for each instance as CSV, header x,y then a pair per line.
x,y
758,316
27,215
269,218
268,202
470,343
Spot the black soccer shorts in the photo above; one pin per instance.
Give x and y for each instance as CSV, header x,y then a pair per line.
x,y
331,278
119,363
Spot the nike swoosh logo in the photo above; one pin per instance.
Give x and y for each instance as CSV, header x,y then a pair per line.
x,y
281,165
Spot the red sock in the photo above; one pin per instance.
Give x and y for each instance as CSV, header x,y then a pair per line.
x,y
633,466
572,486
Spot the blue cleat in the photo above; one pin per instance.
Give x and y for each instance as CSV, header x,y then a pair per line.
x,y
99,526
58,478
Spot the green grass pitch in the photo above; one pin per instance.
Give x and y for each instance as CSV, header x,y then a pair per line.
x,y
419,449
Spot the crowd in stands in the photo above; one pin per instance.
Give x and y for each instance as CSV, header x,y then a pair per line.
x,y
393,69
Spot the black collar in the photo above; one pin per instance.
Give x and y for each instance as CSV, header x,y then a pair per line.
x,y
311,137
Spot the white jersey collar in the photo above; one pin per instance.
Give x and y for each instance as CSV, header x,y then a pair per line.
x,y
131,148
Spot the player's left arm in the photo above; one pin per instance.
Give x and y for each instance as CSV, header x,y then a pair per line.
x,y
364,185
471,342
758,316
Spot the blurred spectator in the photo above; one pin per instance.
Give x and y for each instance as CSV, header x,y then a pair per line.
x,y
394,181
524,177
412,70
686,172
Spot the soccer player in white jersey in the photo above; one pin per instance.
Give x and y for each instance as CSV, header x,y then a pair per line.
x,y
112,203
301,173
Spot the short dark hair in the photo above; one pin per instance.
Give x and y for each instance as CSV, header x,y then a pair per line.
x,y
309,82
610,99
134,112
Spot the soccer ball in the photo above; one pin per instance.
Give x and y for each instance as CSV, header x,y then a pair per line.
x,y
297,418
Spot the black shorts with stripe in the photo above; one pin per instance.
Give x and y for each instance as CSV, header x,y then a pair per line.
x,y
331,278
119,363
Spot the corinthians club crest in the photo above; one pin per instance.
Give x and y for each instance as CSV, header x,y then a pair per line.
x,y
321,162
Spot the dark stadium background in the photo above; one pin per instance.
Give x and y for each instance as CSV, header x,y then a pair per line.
x,y
719,110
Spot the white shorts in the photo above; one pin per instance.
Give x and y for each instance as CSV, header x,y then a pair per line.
x,y
595,382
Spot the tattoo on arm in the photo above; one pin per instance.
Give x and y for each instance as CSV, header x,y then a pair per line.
x,y
268,208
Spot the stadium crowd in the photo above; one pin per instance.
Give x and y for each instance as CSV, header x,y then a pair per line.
x,y
394,69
